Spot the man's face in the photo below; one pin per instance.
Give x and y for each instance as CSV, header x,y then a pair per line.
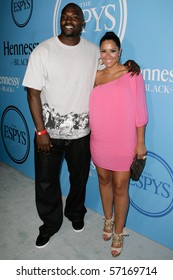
x,y
71,22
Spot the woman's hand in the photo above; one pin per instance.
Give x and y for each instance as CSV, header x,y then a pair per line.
x,y
140,151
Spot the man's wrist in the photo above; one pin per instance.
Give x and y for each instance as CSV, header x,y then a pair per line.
x,y
39,133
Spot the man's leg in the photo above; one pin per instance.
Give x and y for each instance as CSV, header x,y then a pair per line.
x,y
78,161
48,192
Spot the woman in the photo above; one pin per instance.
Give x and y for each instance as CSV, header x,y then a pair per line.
x,y
118,116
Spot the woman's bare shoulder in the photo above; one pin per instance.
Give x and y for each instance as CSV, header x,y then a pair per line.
x,y
99,73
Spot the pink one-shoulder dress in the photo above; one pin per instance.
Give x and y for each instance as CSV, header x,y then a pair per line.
x,y
117,108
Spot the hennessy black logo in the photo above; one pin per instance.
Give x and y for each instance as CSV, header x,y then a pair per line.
x,y
21,11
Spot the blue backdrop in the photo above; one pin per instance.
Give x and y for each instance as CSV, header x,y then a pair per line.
x,y
145,29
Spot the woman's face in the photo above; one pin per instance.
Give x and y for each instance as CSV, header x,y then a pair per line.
x,y
109,53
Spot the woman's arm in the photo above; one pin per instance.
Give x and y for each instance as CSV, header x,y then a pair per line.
x,y
140,149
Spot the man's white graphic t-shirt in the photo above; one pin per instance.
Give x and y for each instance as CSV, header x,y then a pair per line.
x,y
65,76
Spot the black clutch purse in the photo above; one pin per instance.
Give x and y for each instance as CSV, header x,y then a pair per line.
x,y
137,167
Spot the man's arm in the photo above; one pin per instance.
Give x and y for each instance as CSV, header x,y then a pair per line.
x,y
34,100
132,67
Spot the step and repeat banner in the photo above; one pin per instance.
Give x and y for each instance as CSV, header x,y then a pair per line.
x,y
145,28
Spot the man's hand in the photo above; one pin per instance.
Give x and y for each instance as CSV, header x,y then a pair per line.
x,y
43,143
132,67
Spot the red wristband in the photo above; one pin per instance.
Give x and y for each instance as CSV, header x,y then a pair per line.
x,y
39,133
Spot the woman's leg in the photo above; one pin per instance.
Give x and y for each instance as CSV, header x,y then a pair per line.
x,y
121,199
121,204
106,191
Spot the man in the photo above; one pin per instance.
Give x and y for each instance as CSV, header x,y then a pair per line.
x,y
59,78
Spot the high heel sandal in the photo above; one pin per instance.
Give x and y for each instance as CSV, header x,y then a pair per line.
x,y
108,229
117,243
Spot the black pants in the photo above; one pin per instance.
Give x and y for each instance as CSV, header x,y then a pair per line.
x,y
47,182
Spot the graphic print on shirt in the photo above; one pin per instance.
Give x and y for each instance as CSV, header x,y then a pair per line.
x,y
64,124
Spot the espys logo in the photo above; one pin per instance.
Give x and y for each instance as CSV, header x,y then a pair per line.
x,y
99,16
21,11
152,195
15,134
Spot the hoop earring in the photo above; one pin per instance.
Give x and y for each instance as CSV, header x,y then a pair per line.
x,y
100,61
119,57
